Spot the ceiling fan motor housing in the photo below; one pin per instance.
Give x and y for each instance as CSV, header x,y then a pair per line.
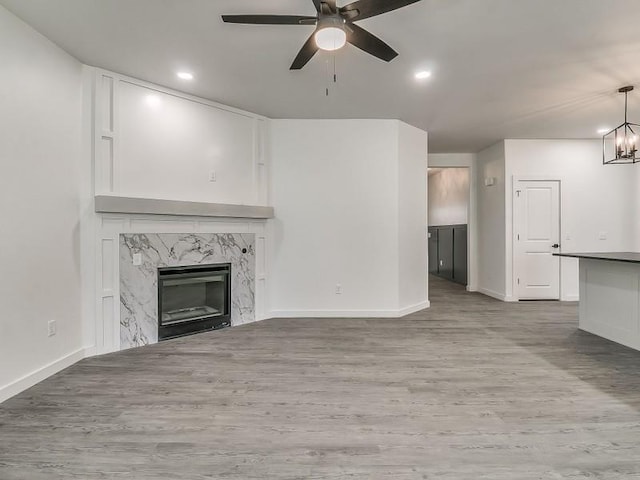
x,y
331,21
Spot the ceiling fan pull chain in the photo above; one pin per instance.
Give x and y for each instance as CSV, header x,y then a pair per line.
x,y
327,79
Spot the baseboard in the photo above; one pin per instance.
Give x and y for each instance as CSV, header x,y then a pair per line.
x,y
414,308
570,298
349,313
490,293
29,380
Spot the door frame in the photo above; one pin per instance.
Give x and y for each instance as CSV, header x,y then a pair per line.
x,y
514,233
472,235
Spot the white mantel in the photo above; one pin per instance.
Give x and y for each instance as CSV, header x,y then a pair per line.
x,y
153,206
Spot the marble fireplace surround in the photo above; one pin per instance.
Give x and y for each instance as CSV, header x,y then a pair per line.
x,y
139,284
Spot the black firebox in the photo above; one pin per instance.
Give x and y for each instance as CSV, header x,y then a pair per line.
x,y
193,299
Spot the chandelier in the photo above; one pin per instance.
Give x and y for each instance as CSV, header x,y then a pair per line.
x,y
620,145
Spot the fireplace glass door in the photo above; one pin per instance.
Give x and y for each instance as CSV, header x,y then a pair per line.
x,y
193,299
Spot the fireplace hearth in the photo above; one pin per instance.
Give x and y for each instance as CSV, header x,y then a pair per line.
x,y
193,299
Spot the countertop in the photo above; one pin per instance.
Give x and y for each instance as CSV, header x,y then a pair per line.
x,y
628,257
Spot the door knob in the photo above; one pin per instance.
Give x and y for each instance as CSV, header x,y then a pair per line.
x,y
555,245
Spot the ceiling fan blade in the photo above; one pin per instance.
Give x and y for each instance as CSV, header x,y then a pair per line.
x,y
269,19
306,53
371,8
332,6
369,43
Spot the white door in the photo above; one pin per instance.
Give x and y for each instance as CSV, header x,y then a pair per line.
x,y
537,237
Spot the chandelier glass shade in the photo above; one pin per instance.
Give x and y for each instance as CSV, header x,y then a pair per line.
x,y
620,145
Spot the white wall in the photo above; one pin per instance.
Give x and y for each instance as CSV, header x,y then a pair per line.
x,y
595,198
335,190
469,161
449,196
158,143
491,222
40,132
412,168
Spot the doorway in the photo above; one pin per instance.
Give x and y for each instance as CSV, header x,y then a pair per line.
x,y
448,217
536,222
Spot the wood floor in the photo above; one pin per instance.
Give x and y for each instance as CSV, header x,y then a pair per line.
x,y
470,389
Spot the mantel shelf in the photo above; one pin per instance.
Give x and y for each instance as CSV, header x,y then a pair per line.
x,y
152,206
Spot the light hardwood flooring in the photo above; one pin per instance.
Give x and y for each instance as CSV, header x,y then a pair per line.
x,y
470,389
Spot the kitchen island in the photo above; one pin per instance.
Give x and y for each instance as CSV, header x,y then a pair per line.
x,y
610,295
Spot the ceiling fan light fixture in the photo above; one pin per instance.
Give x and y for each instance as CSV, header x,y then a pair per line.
x,y
331,38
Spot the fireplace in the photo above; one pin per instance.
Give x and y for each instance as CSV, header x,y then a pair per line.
x,y
193,299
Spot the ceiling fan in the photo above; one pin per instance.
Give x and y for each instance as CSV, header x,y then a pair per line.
x,y
334,27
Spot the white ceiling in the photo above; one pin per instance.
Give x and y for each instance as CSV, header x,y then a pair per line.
x,y
501,68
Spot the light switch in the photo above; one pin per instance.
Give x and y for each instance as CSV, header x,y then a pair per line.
x,y
137,259
212,176
602,235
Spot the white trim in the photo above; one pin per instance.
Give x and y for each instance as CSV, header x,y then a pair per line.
x,y
349,313
490,293
41,374
570,298
176,93
414,308
537,178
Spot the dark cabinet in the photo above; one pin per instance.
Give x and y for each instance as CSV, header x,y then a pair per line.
x,y
433,250
448,252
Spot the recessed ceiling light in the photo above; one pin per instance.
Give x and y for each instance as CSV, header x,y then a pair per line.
x,y
185,75
604,130
423,74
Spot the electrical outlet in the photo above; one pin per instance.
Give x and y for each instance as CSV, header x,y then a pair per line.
x,y
602,236
137,259
338,289
51,328
212,176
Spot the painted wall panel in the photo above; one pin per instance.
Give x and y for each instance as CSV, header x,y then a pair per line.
x,y
170,146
